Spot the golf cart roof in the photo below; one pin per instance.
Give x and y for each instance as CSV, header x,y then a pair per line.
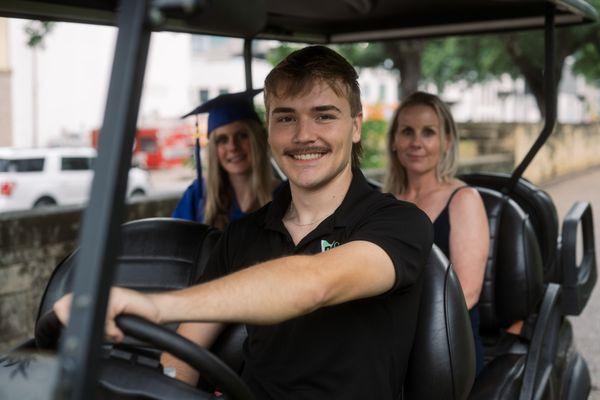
x,y
331,21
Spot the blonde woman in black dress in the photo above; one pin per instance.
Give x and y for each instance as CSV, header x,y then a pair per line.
x,y
423,152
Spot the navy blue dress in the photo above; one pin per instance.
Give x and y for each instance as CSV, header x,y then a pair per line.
x,y
441,238
191,205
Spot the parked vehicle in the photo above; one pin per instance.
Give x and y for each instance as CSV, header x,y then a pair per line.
x,y
34,178
528,278
159,148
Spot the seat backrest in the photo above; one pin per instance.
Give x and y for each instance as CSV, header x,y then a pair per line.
x,y
541,210
514,282
442,361
156,254
443,351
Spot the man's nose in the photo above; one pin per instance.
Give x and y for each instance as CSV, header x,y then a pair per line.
x,y
304,131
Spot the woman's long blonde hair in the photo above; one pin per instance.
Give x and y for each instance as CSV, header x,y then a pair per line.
x,y
219,193
396,180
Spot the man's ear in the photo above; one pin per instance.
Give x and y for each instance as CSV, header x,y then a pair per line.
x,y
357,127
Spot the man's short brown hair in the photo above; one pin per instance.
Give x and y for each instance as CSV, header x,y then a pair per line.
x,y
296,74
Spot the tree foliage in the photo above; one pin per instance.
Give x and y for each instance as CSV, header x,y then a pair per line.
x,y
36,31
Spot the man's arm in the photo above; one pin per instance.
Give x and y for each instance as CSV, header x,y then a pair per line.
x,y
266,293
203,334
285,288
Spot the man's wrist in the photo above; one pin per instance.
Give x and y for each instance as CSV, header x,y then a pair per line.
x,y
166,307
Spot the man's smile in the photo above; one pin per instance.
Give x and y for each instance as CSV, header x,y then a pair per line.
x,y
307,154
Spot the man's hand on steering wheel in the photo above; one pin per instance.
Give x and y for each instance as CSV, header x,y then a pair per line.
x,y
121,301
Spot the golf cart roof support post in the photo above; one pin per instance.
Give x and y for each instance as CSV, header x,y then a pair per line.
x,y
550,90
100,232
248,62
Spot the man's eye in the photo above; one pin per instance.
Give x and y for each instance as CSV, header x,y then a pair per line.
x,y
284,119
325,117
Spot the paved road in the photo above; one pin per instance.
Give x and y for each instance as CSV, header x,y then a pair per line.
x,y
584,187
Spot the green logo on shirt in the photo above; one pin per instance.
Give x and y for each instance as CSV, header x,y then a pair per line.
x,y
325,245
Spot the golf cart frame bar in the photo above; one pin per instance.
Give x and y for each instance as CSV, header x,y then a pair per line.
x,y
100,234
550,89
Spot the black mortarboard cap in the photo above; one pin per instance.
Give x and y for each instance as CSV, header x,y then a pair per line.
x,y
227,108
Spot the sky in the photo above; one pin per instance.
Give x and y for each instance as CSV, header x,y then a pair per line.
x,y
73,71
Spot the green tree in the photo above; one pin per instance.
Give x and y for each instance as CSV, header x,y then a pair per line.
x,y
477,59
36,32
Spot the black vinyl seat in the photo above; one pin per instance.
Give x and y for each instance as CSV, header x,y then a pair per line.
x,y
539,207
514,290
442,361
513,284
156,254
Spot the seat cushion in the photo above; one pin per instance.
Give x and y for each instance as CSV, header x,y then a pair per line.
x,y
500,379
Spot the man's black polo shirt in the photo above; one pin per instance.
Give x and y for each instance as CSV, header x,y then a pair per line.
x,y
356,350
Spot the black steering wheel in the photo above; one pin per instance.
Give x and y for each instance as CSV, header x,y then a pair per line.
x,y
48,331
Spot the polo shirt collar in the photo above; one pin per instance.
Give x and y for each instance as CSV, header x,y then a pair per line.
x,y
342,216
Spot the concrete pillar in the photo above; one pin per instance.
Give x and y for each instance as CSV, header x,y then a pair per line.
x,y
5,87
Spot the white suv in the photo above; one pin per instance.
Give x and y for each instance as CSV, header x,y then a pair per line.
x,y
31,178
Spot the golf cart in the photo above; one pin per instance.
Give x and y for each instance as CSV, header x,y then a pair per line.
x,y
531,274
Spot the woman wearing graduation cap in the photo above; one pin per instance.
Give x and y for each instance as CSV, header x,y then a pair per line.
x,y
239,178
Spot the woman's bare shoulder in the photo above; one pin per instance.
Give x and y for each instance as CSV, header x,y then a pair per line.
x,y
464,196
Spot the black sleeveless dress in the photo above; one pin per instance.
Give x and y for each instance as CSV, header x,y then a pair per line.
x,y
441,238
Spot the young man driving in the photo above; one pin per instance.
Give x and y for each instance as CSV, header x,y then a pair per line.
x,y
326,276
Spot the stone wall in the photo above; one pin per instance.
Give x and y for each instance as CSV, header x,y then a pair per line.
x,y
570,148
32,243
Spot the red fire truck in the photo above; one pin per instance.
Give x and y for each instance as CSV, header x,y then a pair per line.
x,y
159,148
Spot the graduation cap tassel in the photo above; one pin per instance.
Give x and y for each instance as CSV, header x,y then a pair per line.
x,y
197,159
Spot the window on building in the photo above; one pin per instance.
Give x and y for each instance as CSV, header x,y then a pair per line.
x,y
203,95
199,44
381,92
223,91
